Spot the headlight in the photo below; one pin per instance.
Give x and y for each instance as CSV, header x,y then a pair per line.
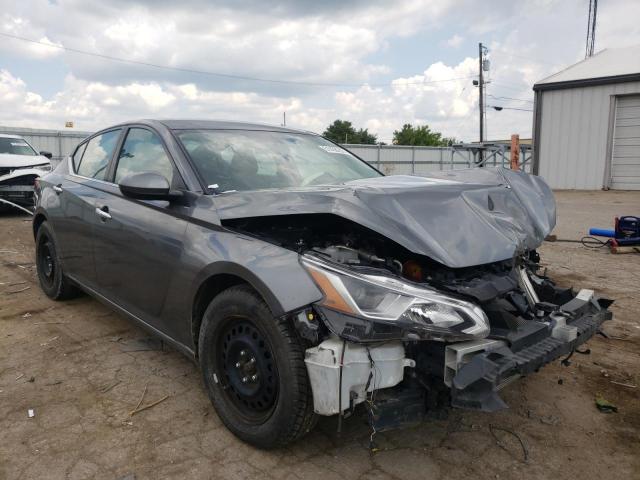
x,y
382,299
45,167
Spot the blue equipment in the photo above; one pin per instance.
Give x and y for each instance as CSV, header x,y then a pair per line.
x,y
626,233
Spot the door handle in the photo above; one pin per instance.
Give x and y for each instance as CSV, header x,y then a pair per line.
x,y
57,189
103,213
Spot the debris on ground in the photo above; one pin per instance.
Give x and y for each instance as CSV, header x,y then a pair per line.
x,y
44,344
139,409
31,413
9,292
628,385
605,406
109,387
493,429
146,407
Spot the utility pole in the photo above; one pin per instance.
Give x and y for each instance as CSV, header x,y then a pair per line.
x,y
480,90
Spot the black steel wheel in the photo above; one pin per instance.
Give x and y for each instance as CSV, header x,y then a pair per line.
x,y
50,275
46,263
249,369
254,371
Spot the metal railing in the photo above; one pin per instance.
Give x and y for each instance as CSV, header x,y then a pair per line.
x,y
401,159
390,159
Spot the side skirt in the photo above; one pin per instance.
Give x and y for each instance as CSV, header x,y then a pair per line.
x,y
137,320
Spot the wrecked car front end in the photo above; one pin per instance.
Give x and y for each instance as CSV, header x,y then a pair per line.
x,y
16,183
432,291
456,348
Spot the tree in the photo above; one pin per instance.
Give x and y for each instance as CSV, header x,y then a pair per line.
x,y
420,135
342,131
363,136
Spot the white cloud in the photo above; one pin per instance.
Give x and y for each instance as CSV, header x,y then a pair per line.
x,y
94,105
455,41
333,41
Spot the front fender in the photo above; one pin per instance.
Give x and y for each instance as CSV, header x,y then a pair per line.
x,y
275,272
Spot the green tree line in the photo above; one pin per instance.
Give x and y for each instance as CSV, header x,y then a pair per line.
x,y
343,131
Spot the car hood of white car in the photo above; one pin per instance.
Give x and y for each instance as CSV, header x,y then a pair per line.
x,y
8,160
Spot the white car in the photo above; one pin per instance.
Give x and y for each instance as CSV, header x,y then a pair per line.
x,y
20,165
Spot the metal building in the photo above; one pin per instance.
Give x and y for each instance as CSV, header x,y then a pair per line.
x,y
586,125
59,143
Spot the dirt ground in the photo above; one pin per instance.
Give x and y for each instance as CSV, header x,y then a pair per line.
x,y
83,369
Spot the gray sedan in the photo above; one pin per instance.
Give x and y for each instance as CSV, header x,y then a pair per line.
x,y
302,280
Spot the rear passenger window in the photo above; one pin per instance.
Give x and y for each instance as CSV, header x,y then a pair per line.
x,y
142,151
95,161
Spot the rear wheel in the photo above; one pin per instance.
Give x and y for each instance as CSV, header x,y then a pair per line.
x,y
254,371
50,274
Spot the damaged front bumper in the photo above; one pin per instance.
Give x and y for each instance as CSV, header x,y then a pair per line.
x,y
18,185
476,371
345,373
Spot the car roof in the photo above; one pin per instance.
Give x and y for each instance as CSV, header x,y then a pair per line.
x,y
10,135
216,125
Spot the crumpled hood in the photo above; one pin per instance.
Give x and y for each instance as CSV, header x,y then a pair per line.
x,y
459,218
8,160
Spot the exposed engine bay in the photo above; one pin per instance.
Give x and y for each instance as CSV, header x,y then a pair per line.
x,y
469,331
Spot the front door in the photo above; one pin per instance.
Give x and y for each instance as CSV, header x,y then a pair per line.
x,y
137,244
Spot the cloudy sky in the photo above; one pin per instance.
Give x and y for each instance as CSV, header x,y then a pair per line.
x,y
377,63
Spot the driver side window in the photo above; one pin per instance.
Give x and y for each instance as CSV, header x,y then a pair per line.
x,y
142,151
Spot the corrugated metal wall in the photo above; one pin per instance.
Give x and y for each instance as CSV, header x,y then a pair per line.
x,y
573,136
59,143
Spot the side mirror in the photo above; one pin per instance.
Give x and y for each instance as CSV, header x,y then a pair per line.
x,y
146,186
44,153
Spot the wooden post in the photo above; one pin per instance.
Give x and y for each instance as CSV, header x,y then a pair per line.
x,y
515,152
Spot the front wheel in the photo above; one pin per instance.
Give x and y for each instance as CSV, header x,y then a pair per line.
x,y
254,371
50,275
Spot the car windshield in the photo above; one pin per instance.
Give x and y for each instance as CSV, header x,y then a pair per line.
x,y
254,160
16,146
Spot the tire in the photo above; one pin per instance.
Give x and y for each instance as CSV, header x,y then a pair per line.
x,y
50,274
276,407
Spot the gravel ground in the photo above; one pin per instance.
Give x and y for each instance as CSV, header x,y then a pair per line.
x,y
83,369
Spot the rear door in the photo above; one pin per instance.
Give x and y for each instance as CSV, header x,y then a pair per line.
x,y
138,244
75,216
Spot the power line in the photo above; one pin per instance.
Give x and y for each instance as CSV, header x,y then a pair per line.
x,y
509,98
498,108
224,75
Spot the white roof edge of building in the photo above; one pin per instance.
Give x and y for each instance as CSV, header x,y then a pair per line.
x,y
610,62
